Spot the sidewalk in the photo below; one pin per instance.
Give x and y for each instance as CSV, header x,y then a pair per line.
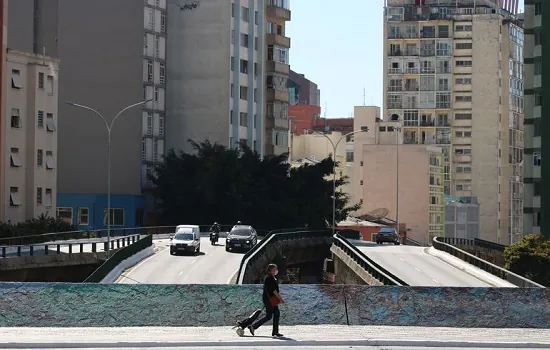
x,y
310,337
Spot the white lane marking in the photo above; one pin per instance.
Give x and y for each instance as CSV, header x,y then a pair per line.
x,y
417,269
133,268
181,272
433,279
231,277
401,259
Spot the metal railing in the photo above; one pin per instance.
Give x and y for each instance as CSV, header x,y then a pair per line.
x,y
410,241
517,280
276,236
473,242
375,270
102,271
53,248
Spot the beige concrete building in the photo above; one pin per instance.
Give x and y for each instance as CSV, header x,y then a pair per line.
x,y
406,179
29,136
454,78
315,147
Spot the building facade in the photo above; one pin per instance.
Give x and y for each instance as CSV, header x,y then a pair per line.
x,y
406,179
537,196
4,38
461,217
29,136
113,55
216,64
454,78
303,91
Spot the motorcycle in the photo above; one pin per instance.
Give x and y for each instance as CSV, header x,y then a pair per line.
x,y
214,236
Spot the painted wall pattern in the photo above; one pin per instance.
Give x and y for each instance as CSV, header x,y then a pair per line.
x,y
124,305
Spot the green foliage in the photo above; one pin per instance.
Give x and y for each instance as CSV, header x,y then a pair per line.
x,y
226,185
530,258
41,224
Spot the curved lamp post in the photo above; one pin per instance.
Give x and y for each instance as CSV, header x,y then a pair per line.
x,y
109,127
334,147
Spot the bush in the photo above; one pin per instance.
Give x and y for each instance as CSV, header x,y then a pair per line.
x,y
530,258
36,226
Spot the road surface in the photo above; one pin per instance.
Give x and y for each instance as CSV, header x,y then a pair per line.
x,y
296,337
212,266
417,268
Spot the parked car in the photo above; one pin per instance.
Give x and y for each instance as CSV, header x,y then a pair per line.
x,y
389,235
186,240
241,237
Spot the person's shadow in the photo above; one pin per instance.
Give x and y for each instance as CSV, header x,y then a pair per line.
x,y
268,337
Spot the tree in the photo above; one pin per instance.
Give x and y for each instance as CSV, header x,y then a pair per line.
x,y
530,258
227,185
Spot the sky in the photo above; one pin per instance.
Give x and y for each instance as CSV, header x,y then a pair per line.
x,y
339,47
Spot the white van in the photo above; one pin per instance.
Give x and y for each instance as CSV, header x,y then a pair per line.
x,y
187,239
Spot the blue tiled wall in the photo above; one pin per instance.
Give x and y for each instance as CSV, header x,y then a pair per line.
x,y
97,203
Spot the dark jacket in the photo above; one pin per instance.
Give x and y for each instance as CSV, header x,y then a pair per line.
x,y
270,285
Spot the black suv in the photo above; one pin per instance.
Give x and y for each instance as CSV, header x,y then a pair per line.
x,y
241,237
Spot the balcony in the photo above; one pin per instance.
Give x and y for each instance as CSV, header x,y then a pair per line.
x,y
395,53
276,39
272,122
276,95
277,67
427,123
275,9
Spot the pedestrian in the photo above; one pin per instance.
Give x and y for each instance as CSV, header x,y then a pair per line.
x,y
271,299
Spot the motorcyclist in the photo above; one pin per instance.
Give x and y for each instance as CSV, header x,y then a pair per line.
x,y
215,228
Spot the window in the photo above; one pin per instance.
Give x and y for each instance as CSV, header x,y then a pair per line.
x,y
117,217
161,125
463,81
443,100
151,19
443,31
255,120
244,66
463,116
156,94
277,54
256,44
537,159
538,67
463,46
538,38
256,18
463,134
538,9
232,90
243,93
463,63
463,98
163,22
538,99
48,197
255,95
39,196
41,80
243,119
245,13
157,46
463,28
16,79
255,70
40,157
40,119
443,49
349,156
162,75
15,199
50,122
463,151
65,214
233,10
382,128
15,158
15,118
49,160
231,117
244,40
149,123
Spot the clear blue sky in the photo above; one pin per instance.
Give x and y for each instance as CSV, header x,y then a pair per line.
x,y
338,45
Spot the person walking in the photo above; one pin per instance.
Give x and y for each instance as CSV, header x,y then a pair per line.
x,y
271,299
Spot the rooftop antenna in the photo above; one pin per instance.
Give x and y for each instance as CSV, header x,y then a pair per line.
x,y
364,95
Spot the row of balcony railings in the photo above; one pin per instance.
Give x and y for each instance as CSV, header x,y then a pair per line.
x,y
418,70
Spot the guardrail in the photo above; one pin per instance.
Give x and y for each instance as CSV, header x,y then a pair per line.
x,y
476,242
91,234
486,266
102,271
273,237
367,263
410,241
73,247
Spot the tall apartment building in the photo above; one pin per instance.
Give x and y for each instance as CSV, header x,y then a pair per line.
x,y
4,39
113,55
537,196
228,64
454,78
405,179
29,136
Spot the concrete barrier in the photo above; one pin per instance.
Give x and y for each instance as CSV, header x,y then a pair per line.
x,y
127,305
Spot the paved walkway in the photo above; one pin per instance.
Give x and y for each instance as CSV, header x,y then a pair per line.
x,y
304,337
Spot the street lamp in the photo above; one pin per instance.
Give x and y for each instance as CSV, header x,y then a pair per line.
x,y
334,146
109,127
